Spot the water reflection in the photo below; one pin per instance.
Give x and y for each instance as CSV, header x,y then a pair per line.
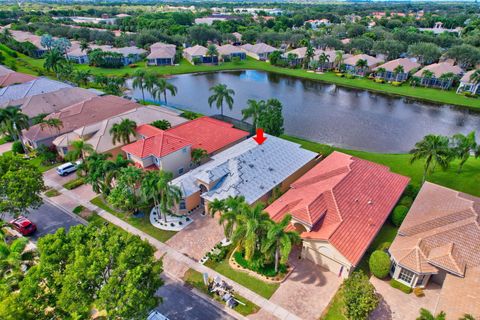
x,y
327,113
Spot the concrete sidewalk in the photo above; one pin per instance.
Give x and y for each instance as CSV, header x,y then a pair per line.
x,y
164,249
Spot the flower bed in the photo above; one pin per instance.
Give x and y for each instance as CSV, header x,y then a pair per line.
x,y
172,223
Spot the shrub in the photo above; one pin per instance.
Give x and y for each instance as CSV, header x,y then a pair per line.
x,y
468,94
377,80
359,296
267,270
411,191
349,76
75,183
52,193
17,148
379,264
400,286
384,246
406,201
398,215
78,209
396,83
338,74
133,65
236,60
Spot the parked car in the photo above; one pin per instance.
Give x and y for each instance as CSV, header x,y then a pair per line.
x,y
67,168
23,225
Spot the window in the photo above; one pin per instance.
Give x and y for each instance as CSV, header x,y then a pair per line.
x,y
180,171
129,156
406,276
182,204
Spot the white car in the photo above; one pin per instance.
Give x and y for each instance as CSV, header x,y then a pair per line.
x,y
67,168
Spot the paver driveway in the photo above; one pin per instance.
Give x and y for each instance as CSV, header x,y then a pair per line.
x,y
198,237
396,305
53,175
308,290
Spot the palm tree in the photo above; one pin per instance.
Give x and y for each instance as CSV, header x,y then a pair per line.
x,y
54,60
162,86
338,58
13,121
121,132
397,71
216,206
361,65
84,46
463,146
221,94
150,82
380,72
253,110
309,54
81,76
475,77
251,229
322,60
435,150
139,81
233,207
78,149
54,123
156,187
14,259
426,75
198,155
280,241
161,124
427,315
212,51
447,79
112,169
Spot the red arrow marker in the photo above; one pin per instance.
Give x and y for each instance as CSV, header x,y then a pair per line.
x,y
259,137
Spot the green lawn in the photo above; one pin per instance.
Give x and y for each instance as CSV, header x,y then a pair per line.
x,y
195,279
262,288
467,181
139,223
334,310
38,163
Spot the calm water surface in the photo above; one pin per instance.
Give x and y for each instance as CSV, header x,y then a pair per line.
x,y
349,118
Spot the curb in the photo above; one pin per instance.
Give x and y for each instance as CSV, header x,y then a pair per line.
x,y
59,206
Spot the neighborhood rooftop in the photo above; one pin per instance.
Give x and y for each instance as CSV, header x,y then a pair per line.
x,y
407,64
15,78
34,87
438,69
247,169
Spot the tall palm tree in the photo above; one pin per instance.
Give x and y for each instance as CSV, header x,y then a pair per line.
x,y
53,123
251,229
150,82
253,110
426,75
212,51
81,76
54,59
447,79
156,188
427,315
475,77
380,72
435,150
338,58
221,94
280,241
84,46
139,81
13,121
198,154
361,65
216,206
112,169
122,131
398,71
162,86
78,150
309,54
322,60
233,208
463,147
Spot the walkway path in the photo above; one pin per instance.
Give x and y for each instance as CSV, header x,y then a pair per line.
x,y
164,249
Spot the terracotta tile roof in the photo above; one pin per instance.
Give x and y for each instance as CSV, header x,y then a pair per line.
x,y
147,130
229,49
15,78
83,113
343,200
4,70
440,68
162,51
407,64
208,133
259,48
371,61
196,51
159,145
442,227
466,76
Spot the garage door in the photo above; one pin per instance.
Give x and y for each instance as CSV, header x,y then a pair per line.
x,y
323,260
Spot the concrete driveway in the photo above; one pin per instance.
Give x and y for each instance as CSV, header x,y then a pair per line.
x,y
308,289
396,305
53,175
198,237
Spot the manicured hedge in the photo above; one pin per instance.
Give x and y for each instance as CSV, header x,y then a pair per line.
x,y
74,183
398,215
379,264
266,270
400,286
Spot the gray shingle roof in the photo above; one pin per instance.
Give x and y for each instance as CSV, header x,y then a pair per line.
x,y
31,88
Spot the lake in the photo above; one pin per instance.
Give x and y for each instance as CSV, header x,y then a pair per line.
x,y
326,113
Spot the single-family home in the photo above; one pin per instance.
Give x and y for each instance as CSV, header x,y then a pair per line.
x,y
317,23
98,134
77,55
329,61
13,78
130,54
295,56
37,86
338,207
199,54
75,116
352,61
24,36
259,51
227,52
440,75
171,149
161,54
439,242
246,169
50,102
396,70
470,83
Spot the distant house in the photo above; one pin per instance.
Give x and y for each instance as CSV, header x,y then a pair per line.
x,y
351,64
331,56
78,56
259,51
198,54
297,55
391,67
75,116
431,75
24,36
246,169
227,52
438,29
439,242
30,88
467,84
161,54
98,134
13,78
338,207
171,149
209,20
130,54
238,38
317,23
